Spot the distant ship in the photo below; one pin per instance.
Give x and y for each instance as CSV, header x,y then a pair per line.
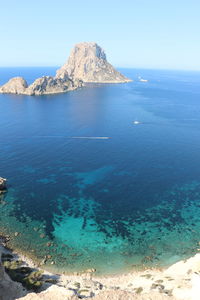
x,y
136,122
142,79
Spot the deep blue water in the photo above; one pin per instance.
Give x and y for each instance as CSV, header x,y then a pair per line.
x,y
111,204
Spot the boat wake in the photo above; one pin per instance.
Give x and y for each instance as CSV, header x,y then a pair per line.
x,y
92,137
73,137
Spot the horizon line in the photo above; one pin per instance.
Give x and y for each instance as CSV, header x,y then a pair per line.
x,y
135,68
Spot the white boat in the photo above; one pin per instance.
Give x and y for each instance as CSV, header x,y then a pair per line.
x,y
136,122
143,80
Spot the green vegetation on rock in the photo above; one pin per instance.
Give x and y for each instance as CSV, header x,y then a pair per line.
x,y
31,280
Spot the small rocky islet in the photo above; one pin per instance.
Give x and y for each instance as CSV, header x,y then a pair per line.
x,y
87,63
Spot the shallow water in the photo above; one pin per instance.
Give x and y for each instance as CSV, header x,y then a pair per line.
x,y
112,204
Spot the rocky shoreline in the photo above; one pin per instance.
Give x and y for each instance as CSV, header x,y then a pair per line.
x,y
27,281
23,278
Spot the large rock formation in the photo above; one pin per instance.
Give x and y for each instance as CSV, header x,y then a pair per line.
x,y
88,62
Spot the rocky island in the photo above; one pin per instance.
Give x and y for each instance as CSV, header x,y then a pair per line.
x,y
87,63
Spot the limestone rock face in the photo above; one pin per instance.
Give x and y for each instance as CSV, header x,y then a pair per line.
x,y
60,293
52,293
123,295
9,290
88,62
52,85
16,85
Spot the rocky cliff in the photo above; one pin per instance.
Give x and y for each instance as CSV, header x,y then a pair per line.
x,y
41,86
87,63
52,85
9,290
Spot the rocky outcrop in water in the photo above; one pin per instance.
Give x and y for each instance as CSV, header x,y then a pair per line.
x,y
52,85
2,184
16,85
41,86
88,62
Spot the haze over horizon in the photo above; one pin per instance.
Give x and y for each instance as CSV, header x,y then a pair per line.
x,y
134,34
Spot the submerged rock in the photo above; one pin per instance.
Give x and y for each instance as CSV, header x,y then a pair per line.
x,y
88,62
42,235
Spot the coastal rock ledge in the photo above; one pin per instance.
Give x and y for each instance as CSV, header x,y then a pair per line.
x,y
87,63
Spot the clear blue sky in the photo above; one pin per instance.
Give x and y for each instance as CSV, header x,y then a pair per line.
x,y
134,33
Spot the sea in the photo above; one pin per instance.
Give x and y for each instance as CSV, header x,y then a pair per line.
x,y
105,177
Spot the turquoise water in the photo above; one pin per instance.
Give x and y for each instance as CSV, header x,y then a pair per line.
x,y
132,200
